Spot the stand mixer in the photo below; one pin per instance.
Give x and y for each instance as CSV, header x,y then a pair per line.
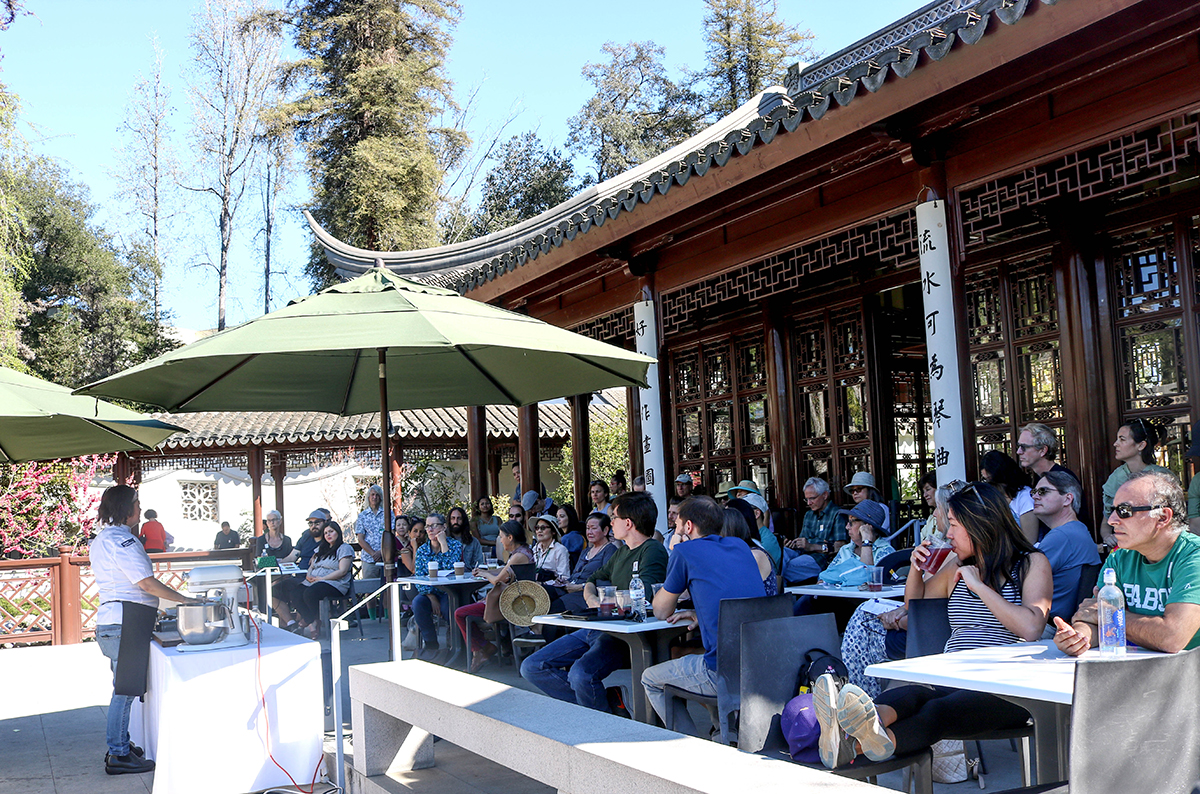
x,y
229,580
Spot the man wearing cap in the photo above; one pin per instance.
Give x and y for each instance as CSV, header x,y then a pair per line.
x,y
710,568
822,532
534,505
305,547
683,485
723,492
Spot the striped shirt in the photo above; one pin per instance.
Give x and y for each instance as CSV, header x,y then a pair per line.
x,y
972,624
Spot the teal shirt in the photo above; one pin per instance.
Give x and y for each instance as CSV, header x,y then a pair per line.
x,y
1118,478
1194,497
1149,587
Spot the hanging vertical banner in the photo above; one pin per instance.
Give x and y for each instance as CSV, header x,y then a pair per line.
x,y
941,341
645,333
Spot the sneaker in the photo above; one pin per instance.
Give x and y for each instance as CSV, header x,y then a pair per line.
x,y
856,712
616,703
835,747
127,764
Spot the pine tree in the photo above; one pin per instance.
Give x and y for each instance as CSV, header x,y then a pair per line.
x,y
375,88
527,180
748,49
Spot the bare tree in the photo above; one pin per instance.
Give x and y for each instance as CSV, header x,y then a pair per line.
x,y
274,177
230,85
146,170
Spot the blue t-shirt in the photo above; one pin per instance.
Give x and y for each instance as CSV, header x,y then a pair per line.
x,y
1067,548
305,548
574,541
712,568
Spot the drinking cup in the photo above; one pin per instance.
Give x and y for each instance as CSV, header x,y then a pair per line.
x,y
875,583
939,550
433,570
608,601
460,568
624,602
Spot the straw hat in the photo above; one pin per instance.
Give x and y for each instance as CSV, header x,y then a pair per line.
x,y
522,600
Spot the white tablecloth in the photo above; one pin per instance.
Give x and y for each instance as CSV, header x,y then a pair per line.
x,y
203,722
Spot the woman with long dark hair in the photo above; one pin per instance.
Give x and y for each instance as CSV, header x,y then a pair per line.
x,y
1134,447
486,524
599,492
328,576
1003,472
999,590
512,537
570,529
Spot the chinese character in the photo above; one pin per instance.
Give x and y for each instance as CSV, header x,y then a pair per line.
x,y
935,369
926,243
645,413
649,475
640,328
939,413
931,321
646,445
929,283
943,456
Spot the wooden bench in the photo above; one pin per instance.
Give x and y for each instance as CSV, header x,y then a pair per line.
x,y
397,707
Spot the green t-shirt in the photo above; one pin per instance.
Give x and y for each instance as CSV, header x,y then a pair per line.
x,y
1194,497
651,558
1149,587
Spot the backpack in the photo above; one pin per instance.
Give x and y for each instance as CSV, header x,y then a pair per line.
x,y
816,663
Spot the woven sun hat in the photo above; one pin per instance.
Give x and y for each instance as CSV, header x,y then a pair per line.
x,y
749,486
522,600
864,478
723,490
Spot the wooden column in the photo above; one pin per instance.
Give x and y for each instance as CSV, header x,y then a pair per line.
x,y
786,491
279,475
493,460
397,459
581,447
633,415
528,454
121,469
254,467
68,625
477,453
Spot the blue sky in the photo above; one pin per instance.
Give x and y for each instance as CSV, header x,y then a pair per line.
x,y
74,63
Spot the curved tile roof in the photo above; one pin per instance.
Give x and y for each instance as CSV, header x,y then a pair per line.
x,y
834,82
217,429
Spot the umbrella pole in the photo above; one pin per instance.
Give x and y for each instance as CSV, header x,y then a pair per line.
x,y
389,540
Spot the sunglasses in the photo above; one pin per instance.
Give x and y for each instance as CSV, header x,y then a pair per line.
x,y
973,487
1045,490
1126,510
857,488
1023,447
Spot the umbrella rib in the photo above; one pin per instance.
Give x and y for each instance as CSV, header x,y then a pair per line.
x,y
609,370
7,456
512,398
182,403
350,381
121,436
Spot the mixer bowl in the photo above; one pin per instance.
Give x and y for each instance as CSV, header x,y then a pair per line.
x,y
192,620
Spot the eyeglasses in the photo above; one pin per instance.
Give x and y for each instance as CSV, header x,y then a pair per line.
x,y
434,524
1045,490
1126,510
857,488
973,487
311,520
1023,447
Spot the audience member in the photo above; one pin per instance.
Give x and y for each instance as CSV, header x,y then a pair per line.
x,y
639,484
864,524
599,493
368,527
1134,447
822,532
512,537
1002,471
735,526
226,538
1157,565
617,484
1193,492
1068,545
551,558
684,486
573,668
458,526
762,526
431,602
1037,447
570,529
862,488
927,485
308,542
329,575
710,568
485,526
274,543
406,545
569,596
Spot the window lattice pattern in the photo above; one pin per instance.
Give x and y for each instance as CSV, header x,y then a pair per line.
x,y
1165,152
888,242
615,328
198,501
204,463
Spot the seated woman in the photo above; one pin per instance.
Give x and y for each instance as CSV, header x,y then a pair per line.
x,y
872,638
445,551
329,575
1003,472
999,591
1134,447
862,489
571,530
736,527
867,546
569,596
486,524
512,538
551,557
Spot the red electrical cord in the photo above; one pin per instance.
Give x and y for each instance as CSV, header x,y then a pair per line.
x,y
262,696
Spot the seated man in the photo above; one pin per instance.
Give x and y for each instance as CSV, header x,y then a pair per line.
x,y
710,568
1068,545
1158,568
823,532
573,668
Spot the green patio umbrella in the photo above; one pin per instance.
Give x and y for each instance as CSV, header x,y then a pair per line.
x,y
40,420
334,351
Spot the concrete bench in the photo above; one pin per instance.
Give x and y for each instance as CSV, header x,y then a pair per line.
x,y
397,707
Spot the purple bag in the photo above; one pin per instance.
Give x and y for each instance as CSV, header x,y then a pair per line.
x,y
800,729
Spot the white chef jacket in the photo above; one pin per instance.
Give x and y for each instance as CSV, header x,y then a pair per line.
x,y
119,562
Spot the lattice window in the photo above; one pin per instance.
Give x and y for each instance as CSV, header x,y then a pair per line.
x,y
198,501
615,329
1147,273
888,243
913,435
1131,166
197,462
1152,361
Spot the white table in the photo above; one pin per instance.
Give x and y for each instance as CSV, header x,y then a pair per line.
x,y
457,589
888,591
1034,675
203,722
649,644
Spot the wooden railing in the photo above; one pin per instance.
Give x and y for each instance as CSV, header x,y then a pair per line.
x,y
55,598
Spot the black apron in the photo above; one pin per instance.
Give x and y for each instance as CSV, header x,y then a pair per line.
x,y
133,656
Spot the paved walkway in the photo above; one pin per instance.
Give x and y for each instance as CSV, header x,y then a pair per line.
x,y
53,709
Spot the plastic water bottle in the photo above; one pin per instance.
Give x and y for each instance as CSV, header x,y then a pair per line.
x,y
1111,602
637,593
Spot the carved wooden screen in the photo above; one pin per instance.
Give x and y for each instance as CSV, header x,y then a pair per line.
x,y
829,372
1014,348
719,402
1153,290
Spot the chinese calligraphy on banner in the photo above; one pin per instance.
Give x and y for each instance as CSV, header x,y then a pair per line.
x,y
941,338
645,332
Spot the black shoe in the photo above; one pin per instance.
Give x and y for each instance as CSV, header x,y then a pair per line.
x,y
133,750
127,765
616,703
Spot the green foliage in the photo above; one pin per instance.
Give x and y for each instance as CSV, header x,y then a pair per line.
x,y
747,49
636,113
527,180
86,315
374,86
610,451
431,487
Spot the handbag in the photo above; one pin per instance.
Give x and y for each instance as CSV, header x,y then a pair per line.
x,y
949,761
